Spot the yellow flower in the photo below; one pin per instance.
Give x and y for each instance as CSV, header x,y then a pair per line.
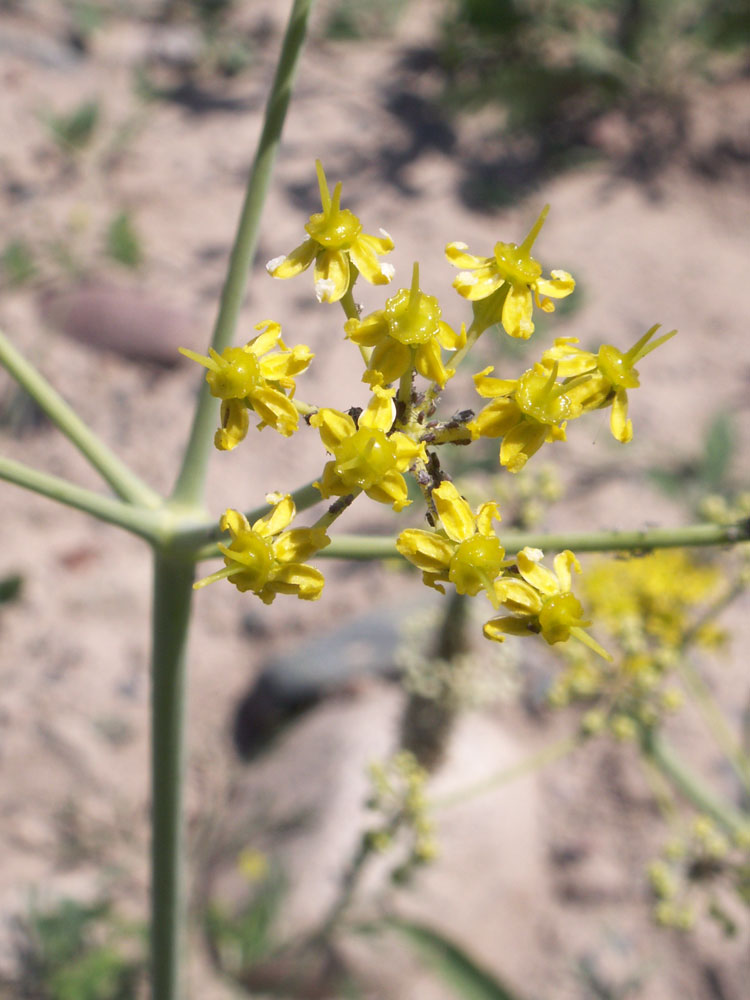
x,y
339,248
268,559
408,333
508,283
525,413
541,602
465,551
366,456
242,378
611,373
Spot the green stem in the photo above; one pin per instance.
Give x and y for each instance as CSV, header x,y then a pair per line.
x,y
663,756
383,546
715,721
173,580
191,480
145,522
123,480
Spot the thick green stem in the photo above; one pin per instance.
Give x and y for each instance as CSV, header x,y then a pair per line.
x,y
173,581
191,480
123,480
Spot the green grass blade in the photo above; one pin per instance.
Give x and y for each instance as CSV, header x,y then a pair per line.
x,y
467,979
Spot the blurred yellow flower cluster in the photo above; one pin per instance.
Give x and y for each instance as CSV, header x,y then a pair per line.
x,y
652,608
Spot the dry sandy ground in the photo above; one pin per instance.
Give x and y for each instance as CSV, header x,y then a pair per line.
x,y
73,653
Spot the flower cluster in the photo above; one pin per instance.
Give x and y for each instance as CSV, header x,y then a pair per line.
x,y
654,609
375,450
703,870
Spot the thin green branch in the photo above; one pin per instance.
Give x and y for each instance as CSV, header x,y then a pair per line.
x,y
384,546
191,479
123,480
535,762
141,521
658,752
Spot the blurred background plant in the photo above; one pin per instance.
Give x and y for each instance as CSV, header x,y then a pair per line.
x,y
76,951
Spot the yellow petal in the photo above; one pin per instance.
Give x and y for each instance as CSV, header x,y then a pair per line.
x,y
520,443
558,286
448,338
300,579
541,578
379,412
235,420
299,544
457,254
485,515
517,595
331,275
391,489
267,340
334,427
517,312
429,363
563,563
330,484
495,420
428,551
286,364
479,284
389,360
299,259
454,512
621,427
363,253
275,409
367,332
493,388
278,519
407,450
234,522
497,628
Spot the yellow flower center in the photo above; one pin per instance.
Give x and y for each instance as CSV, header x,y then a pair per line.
x,y
413,317
539,396
236,375
476,563
364,458
335,228
515,264
560,613
617,367
255,555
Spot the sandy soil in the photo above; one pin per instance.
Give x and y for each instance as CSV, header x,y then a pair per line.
x,y
73,659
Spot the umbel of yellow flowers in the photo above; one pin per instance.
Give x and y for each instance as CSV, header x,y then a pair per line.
x,y
396,435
